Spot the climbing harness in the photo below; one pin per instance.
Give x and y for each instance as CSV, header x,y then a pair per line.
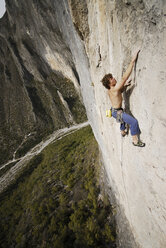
x,y
119,112
119,116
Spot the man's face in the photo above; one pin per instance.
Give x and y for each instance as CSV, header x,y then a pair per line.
x,y
112,81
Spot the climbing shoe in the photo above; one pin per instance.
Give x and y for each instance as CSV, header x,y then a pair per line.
x,y
139,144
124,133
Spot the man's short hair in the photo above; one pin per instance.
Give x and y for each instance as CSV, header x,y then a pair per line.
x,y
105,81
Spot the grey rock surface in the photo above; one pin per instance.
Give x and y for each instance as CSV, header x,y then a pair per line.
x,y
137,176
37,76
44,43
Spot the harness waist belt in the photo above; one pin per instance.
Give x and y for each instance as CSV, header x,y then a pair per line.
x,y
116,109
119,112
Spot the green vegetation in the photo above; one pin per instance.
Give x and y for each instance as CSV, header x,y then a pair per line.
x,y
54,202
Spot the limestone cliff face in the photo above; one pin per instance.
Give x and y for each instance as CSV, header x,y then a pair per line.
x,y
116,30
81,41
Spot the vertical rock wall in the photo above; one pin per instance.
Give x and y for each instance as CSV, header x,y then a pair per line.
x,y
84,40
37,76
116,29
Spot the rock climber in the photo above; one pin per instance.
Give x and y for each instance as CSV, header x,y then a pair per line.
x,y
115,94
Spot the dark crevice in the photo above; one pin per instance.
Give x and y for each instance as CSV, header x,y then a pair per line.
x,y
7,72
76,75
99,60
29,47
38,107
1,68
27,76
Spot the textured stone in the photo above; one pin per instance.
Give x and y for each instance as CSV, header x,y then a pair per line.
x,y
52,36
137,176
35,64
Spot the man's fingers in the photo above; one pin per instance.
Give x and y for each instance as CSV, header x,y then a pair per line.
x,y
129,82
136,55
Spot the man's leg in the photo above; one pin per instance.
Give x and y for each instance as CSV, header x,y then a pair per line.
x,y
122,125
123,129
134,126
133,123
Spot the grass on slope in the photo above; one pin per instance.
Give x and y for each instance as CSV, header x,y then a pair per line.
x,y
55,201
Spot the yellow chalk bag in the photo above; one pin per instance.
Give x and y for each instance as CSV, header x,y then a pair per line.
x,y
108,113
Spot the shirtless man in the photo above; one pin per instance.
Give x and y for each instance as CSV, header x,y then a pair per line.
x,y
115,94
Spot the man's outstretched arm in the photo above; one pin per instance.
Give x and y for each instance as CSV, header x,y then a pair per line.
x,y
127,73
126,85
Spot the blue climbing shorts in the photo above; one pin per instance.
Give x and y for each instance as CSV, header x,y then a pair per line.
x,y
127,119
